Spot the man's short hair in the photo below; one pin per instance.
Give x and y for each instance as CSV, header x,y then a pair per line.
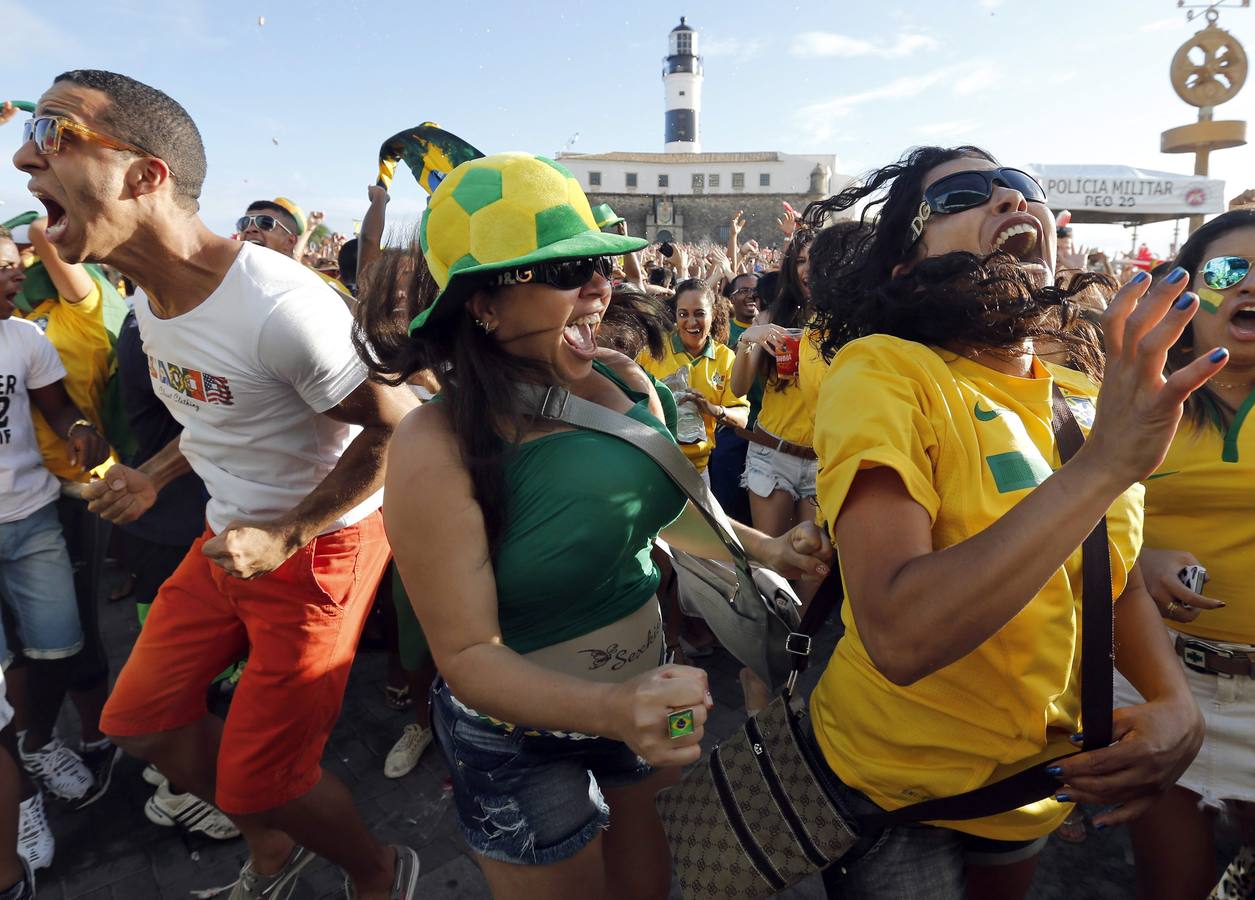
x,y
275,209
347,260
5,234
146,117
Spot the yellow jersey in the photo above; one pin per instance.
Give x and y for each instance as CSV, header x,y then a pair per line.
x,y
968,443
1200,500
81,335
710,374
786,412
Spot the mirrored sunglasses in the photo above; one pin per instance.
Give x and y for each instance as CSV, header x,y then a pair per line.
x,y
1225,271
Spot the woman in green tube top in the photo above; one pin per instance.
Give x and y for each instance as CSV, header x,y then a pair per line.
x,y
525,548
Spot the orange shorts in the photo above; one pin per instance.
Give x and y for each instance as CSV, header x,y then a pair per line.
x,y
299,627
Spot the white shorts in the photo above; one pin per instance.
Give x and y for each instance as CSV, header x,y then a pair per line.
x,y
767,470
1222,770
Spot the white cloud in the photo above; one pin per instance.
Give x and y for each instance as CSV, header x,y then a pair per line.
x,y
811,44
35,36
953,129
1161,25
819,117
974,78
729,47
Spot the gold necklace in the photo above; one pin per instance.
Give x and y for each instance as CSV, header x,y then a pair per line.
x,y
1225,384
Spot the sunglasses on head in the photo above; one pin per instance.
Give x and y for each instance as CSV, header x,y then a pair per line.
x,y
565,275
48,131
264,223
1225,271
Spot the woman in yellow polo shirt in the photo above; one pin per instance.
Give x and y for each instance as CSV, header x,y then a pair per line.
x,y
959,531
780,462
1200,510
697,365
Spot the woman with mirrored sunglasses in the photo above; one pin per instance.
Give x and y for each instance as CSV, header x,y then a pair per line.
x,y
525,547
958,529
1200,511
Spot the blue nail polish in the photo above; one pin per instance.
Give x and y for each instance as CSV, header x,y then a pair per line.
x,y
1078,737
1054,770
1140,277
1100,826
1218,354
1186,300
1062,798
1176,275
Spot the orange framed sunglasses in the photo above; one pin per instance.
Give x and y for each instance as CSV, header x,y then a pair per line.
x,y
48,131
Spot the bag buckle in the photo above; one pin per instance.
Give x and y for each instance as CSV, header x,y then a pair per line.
x,y
798,644
1194,653
554,403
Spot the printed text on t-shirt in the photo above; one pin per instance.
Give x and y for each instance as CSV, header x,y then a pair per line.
x,y
191,383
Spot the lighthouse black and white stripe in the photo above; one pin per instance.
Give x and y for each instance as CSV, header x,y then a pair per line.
x,y
682,80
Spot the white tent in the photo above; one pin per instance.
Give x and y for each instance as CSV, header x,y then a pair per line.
x,y
1124,195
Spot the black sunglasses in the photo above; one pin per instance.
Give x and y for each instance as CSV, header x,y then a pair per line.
x,y
968,190
264,223
565,275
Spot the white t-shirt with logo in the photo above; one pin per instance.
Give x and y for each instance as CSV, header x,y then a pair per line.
x,y
247,374
28,361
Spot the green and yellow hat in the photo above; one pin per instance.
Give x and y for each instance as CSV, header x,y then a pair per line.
x,y
506,211
605,216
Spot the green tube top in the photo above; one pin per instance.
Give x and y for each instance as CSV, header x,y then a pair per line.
x,y
583,511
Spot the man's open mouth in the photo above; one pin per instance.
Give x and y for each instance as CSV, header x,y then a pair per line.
x,y
58,220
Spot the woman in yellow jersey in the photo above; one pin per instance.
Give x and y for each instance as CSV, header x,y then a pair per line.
x,y
780,463
958,530
697,365
1200,511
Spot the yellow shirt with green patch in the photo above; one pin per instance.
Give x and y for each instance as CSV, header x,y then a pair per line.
x,y
79,333
968,443
710,373
1202,500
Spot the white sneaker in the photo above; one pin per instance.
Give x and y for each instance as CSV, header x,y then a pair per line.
x,y
407,751
152,775
35,842
188,810
57,768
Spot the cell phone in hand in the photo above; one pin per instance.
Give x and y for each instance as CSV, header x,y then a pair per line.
x,y
666,249
1194,578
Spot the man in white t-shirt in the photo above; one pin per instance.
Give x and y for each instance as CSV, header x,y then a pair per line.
x,y
36,578
252,355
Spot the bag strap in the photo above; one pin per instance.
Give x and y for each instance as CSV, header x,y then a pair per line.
x,y
557,404
1097,658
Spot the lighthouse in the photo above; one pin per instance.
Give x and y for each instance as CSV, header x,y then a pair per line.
x,y
682,81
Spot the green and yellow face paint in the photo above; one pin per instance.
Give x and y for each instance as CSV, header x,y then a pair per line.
x,y
1219,274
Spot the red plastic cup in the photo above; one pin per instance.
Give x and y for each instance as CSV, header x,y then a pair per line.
x,y
787,359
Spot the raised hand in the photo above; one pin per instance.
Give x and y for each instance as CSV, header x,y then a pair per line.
x,y
7,112
377,194
1138,408
738,222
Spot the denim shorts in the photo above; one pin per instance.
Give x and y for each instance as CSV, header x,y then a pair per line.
x,y
524,797
37,584
911,862
768,470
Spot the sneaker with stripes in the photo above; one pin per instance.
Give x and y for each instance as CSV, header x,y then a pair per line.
x,y
35,843
165,807
57,768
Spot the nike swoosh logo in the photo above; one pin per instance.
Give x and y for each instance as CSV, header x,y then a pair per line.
x,y
986,415
1162,475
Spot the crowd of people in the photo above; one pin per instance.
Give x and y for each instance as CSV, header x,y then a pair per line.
x,y
289,428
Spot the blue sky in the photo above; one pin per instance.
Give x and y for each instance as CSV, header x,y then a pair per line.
x,y
298,106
